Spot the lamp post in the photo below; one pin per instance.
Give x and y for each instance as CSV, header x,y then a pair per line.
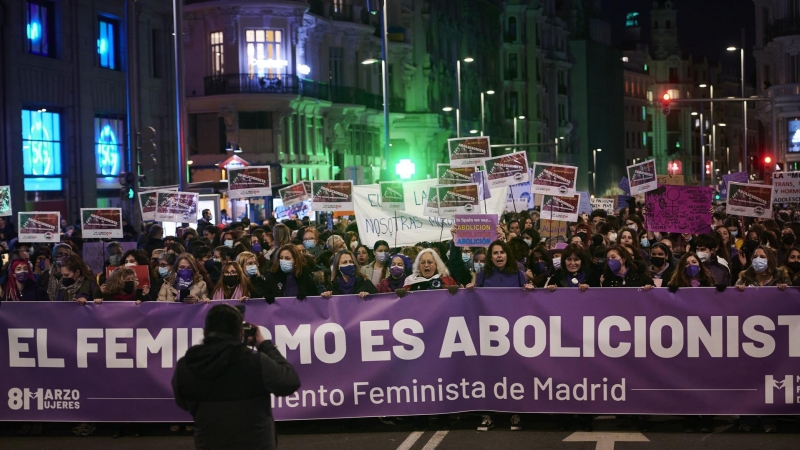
x,y
483,112
713,159
458,83
594,170
385,84
744,104
515,127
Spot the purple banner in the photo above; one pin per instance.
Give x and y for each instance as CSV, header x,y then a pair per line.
x,y
609,350
679,209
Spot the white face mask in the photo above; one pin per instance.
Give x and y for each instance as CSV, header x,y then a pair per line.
x,y
130,264
703,256
353,245
557,262
612,237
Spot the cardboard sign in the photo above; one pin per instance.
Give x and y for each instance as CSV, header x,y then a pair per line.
x,y
675,180
642,177
750,200
457,199
519,197
332,195
294,194
679,209
625,185
148,202
484,193
556,207
431,208
249,182
39,226
392,196
554,179
507,170
5,201
468,152
475,230
101,222
606,204
552,227
142,274
455,175
786,187
178,207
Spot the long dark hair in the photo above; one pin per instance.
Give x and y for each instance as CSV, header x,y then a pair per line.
x,y
576,250
511,263
299,260
680,279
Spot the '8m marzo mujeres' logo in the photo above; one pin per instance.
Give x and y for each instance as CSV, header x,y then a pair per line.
x,y
43,398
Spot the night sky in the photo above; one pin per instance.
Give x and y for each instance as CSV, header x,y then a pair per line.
x,y
705,27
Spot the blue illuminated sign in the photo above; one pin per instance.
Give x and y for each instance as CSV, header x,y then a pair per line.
x,y
41,150
107,152
34,31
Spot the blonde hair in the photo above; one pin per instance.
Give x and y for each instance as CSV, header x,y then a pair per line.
x,y
243,257
116,282
441,268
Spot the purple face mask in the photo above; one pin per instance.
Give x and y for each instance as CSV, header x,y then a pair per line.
x,y
21,276
615,265
396,271
256,247
692,271
186,274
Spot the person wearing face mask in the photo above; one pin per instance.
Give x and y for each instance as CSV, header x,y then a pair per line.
x,y
622,271
763,271
479,263
352,240
20,285
661,264
399,269
555,255
346,278
113,254
377,270
162,272
185,282
539,267
792,266
291,277
281,235
576,271
311,242
705,248
77,281
50,280
788,240
233,285
501,270
40,261
690,272
123,285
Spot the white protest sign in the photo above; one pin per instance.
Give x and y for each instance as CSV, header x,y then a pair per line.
x,y
606,204
786,187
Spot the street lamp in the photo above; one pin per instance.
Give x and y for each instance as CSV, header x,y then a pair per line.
x,y
515,127
483,114
594,171
458,83
744,104
447,108
385,89
713,159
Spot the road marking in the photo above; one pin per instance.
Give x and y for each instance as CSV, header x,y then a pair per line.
x,y
435,440
410,440
605,440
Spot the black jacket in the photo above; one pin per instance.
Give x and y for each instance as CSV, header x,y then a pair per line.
x,y
226,387
275,283
634,277
458,269
559,279
362,285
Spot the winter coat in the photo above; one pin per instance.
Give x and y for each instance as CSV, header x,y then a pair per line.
x,y
168,293
361,285
275,284
560,278
634,277
501,279
31,292
779,276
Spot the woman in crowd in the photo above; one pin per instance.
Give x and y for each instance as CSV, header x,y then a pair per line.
x,y
501,270
51,280
185,283
311,242
20,285
249,263
629,238
622,271
429,272
281,235
212,233
661,264
77,281
735,231
122,285
575,271
363,256
291,277
40,261
792,266
227,239
399,270
163,271
690,273
540,267
763,271
233,285
346,278
377,270
352,240
478,263
727,242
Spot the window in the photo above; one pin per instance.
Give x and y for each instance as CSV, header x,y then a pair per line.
x,y
632,19
512,66
41,150
511,30
673,75
335,65
265,53
158,54
109,136
40,27
259,120
108,43
792,72
217,54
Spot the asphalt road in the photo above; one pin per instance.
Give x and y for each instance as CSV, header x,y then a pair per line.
x,y
540,432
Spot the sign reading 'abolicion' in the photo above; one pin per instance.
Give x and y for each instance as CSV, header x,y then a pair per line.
x,y
604,351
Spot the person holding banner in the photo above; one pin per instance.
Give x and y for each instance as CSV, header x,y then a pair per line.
x,y
501,270
346,277
690,272
122,285
662,265
185,283
378,269
249,262
429,272
575,270
77,281
792,265
763,271
20,285
233,285
399,270
165,262
291,277
539,266
622,271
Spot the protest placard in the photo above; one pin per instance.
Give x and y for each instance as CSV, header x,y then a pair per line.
x,y
622,202
554,179
294,194
5,201
249,182
556,207
180,207
446,174
484,193
431,208
642,177
606,204
468,152
549,227
625,185
675,180
506,170
101,222
750,200
519,197
786,187
679,209
457,199
39,226
148,201
94,254
332,195
142,274
392,196
307,185
477,230
585,207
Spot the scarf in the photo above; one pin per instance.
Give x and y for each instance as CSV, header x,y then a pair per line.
x,y
53,282
291,289
68,293
395,283
346,287
580,276
219,294
416,278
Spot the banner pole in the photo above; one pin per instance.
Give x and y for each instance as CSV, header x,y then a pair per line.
x,y
396,230
441,233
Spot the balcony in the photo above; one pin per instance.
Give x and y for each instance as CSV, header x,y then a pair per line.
x,y
509,38
784,93
783,27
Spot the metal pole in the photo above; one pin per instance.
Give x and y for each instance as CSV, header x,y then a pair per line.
x,y
556,160
385,82
132,90
483,117
515,130
180,101
702,149
713,141
744,106
458,110
594,173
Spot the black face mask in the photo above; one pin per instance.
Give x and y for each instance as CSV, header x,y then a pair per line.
x,y
582,236
67,282
788,238
657,261
794,266
230,280
129,287
751,244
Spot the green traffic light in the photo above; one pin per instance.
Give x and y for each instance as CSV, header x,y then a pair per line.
x,y
130,193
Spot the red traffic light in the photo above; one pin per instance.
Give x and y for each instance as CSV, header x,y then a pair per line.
x,y
767,160
666,97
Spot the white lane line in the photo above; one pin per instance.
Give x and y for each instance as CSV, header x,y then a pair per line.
x,y
605,440
435,440
410,440
694,389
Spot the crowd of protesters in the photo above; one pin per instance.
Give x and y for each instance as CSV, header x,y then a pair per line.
x,y
295,258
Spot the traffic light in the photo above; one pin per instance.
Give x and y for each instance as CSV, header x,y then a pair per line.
x,y
708,168
126,193
665,99
767,160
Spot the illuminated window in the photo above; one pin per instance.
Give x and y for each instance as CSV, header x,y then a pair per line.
x,y
109,135
265,53
39,27
41,150
632,19
217,54
108,43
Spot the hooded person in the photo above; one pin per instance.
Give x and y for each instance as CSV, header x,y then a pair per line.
x,y
399,269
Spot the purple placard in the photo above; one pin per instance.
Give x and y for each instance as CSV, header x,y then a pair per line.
x,y
475,230
679,209
94,254
736,177
696,351
625,185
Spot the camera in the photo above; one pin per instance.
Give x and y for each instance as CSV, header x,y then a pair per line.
x,y
249,331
